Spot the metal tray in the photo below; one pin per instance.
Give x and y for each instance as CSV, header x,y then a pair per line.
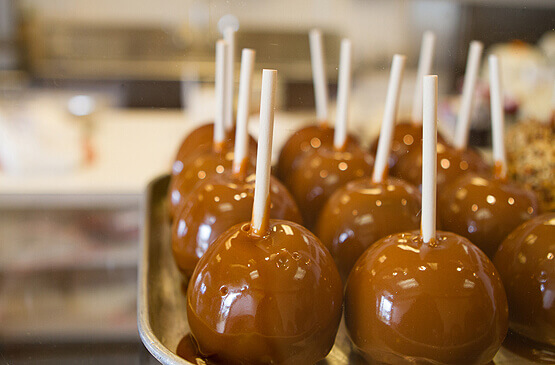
x,y
162,317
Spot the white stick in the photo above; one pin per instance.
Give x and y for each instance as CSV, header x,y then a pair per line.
x,y
319,75
465,111
219,129
497,117
343,92
243,104
229,36
424,68
429,157
260,210
389,117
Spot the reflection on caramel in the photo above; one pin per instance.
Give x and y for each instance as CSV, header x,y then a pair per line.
x,y
199,170
198,141
211,208
361,212
484,210
408,302
530,350
320,172
526,264
275,299
301,142
406,135
451,164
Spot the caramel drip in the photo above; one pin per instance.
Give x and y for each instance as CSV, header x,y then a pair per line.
x,y
219,146
265,228
498,171
240,170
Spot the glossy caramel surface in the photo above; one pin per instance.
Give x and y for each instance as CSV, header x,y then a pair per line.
x,y
203,167
526,263
361,212
484,210
274,300
301,142
451,164
215,206
320,172
199,142
409,302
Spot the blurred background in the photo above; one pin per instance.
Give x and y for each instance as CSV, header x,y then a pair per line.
x,y
95,98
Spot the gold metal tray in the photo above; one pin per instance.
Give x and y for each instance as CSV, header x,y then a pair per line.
x,y
162,316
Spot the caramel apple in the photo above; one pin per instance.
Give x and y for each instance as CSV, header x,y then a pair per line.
x,y
313,136
265,292
452,163
486,210
525,263
426,297
319,172
408,133
408,302
206,160
361,212
225,199
364,210
216,205
455,161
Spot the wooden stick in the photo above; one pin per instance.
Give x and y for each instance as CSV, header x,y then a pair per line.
x,y
261,208
219,129
424,68
465,111
243,104
319,76
389,117
429,158
343,93
497,118
229,36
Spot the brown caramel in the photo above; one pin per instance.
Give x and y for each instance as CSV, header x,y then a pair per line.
x,y
320,172
199,142
361,212
451,164
216,205
484,210
273,300
409,302
300,143
406,135
526,264
200,169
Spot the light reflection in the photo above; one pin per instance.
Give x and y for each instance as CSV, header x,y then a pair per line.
x,y
408,248
224,311
408,284
468,284
254,274
385,309
287,229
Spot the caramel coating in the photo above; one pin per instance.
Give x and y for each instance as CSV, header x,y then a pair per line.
x,y
361,212
203,167
409,302
303,141
484,210
265,300
406,135
216,205
199,142
451,164
320,172
525,261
